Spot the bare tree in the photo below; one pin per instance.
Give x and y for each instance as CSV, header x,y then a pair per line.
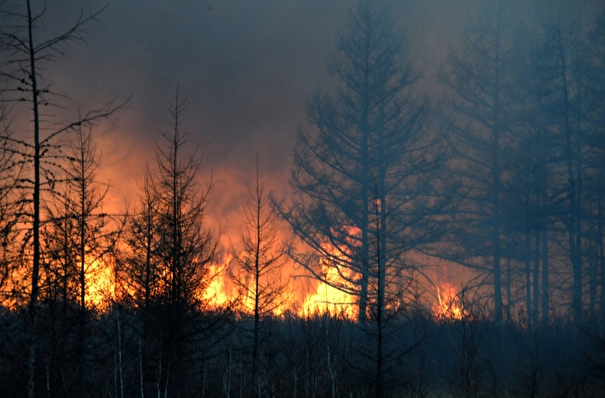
x,y
173,249
368,147
138,268
185,246
140,262
480,85
10,204
27,48
76,242
596,148
259,262
562,76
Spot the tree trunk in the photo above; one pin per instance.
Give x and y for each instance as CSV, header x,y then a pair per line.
x,y
545,281
528,303
33,305
601,250
572,189
536,280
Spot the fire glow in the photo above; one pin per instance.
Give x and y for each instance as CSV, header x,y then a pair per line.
x,y
329,300
328,297
325,299
448,307
331,295
216,293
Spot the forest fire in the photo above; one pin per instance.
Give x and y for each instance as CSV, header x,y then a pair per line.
x,y
329,300
215,293
327,297
100,284
331,296
332,293
324,298
448,306
384,246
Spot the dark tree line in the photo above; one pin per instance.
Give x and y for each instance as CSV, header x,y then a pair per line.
x,y
165,259
520,120
503,173
27,49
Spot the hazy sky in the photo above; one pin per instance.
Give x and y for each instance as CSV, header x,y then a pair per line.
x,y
246,67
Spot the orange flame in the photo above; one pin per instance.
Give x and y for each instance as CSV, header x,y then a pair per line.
x,y
324,299
216,294
448,306
328,299
100,283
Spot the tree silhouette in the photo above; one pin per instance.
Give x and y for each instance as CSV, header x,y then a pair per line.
x,y
259,262
368,151
562,78
139,262
28,48
480,85
77,241
10,204
138,270
596,149
172,248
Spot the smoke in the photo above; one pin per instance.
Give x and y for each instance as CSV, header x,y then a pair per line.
x,y
246,67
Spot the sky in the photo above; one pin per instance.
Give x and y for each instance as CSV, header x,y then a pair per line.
x,y
246,68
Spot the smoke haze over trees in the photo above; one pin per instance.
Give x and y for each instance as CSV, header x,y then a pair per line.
x,y
427,219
